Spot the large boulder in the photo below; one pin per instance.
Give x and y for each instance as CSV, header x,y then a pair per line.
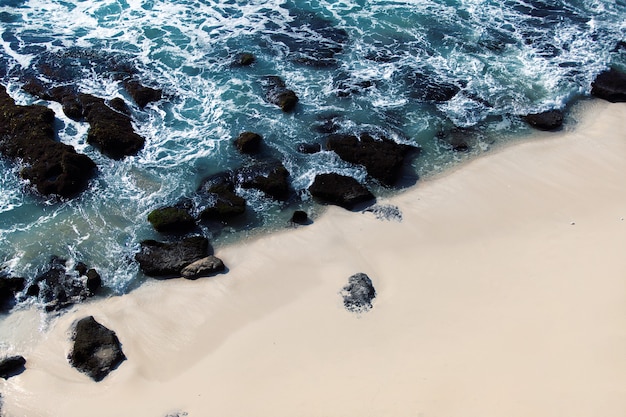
x,y
167,259
248,143
610,85
276,92
271,177
9,287
340,190
27,135
96,350
382,158
171,220
547,120
221,202
359,293
204,267
11,366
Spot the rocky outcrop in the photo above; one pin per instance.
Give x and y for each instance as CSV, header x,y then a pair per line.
x,y
11,366
276,92
547,120
27,135
167,259
610,85
340,190
222,203
204,267
141,94
9,287
358,294
96,350
171,220
382,158
271,177
248,143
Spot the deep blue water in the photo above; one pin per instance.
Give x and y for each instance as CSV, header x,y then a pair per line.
x,y
377,66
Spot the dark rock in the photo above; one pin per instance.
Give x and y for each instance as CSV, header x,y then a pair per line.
x,y
96,351
248,142
27,134
171,220
610,85
244,59
309,148
11,366
81,268
383,159
278,93
223,203
426,88
9,287
94,281
340,190
109,131
120,105
327,124
359,293
33,290
271,177
164,259
204,267
456,139
547,120
300,217
142,94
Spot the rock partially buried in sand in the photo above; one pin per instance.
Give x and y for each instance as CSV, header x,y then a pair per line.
x,y
97,350
340,190
547,120
167,259
11,366
204,267
359,293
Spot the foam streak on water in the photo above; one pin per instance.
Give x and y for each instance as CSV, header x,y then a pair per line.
x,y
369,65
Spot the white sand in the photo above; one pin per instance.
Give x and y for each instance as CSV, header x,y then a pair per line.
x,y
502,293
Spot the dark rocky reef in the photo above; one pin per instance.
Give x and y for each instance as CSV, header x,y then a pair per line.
x,y
340,190
359,293
271,177
58,288
248,143
276,92
27,134
12,366
382,158
547,120
141,94
96,350
167,259
9,287
223,204
171,220
610,85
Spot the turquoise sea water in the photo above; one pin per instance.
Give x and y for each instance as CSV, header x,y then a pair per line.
x,y
369,65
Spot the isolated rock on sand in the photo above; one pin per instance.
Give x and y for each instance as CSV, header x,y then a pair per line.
x,y
167,259
96,350
547,120
610,85
340,190
11,366
359,293
204,267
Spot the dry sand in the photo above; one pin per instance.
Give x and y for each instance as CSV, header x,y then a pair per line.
x,y
501,293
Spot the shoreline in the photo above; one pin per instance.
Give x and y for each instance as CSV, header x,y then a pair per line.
x,y
501,293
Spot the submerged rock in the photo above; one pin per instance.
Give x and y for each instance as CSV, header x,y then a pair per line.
x,y
278,93
610,85
382,158
340,190
547,120
243,59
171,220
167,259
11,366
27,135
359,293
204,267
427,88
96,351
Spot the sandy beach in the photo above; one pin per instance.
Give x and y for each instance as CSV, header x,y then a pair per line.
x,y
501,293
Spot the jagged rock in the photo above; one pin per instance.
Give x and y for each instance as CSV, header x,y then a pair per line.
x,y
278,93
96,350
171,220
309,148
142,94
547,120
165,259
383,159
11,366
204,267
248,142
610,85
271,177
244,59
340,190
427,88
300,217
27,134
219,191
9,287
359,293
94,281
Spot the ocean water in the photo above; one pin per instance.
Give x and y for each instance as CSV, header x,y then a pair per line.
x,y
376,66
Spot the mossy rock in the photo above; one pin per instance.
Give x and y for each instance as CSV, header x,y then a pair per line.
x,y
171,220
